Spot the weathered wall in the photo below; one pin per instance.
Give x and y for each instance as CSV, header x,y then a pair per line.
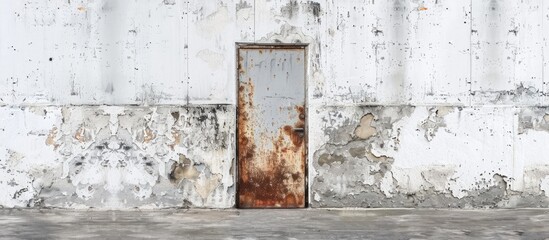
x,y
454,117
117,157
433,103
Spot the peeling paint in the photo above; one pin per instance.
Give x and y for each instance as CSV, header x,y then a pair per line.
x,y
394,167
533,119
410,103
434,121
114,157
365,129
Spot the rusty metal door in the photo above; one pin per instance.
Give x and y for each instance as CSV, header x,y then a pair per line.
x,y
271,127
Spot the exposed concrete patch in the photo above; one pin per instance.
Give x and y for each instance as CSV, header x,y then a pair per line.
x,y
183,169
339,134
26,162
120,157
536,119
357,152
364,129
350,161
330,159
437,177
536,179
371,195
350,171
434,121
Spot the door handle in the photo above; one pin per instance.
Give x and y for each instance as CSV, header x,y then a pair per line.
x,y
299,129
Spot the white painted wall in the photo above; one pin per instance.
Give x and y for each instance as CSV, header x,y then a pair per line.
x,y
485,60
379,52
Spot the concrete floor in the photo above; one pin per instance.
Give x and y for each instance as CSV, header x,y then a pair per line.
x,y
275,224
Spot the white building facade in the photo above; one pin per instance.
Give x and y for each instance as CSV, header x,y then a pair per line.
x,y
132,104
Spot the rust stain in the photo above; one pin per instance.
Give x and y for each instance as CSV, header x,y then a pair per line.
x,y
82,9
422,8
274,178
177,139
246,147
148,135
240,67
50,140
80,135
296,136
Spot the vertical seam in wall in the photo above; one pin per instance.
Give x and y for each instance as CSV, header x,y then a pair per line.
x,y
517,44
187,55
470,52
179,52
543,43
514,146
254,21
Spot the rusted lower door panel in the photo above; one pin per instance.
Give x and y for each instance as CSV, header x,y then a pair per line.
x,y
271,123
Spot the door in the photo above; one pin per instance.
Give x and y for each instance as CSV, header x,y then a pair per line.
x,y
271,127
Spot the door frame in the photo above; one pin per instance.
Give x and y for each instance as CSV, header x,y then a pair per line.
x,y
305,47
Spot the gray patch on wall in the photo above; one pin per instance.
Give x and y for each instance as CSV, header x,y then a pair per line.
x,y
519,95
315,9
150,157
434,121
290,10
242,4
350,174
536,119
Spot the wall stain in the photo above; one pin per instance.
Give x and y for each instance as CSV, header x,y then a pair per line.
x,y
290,10
314,8
51,139
121,157
434,121
183,169
365,130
